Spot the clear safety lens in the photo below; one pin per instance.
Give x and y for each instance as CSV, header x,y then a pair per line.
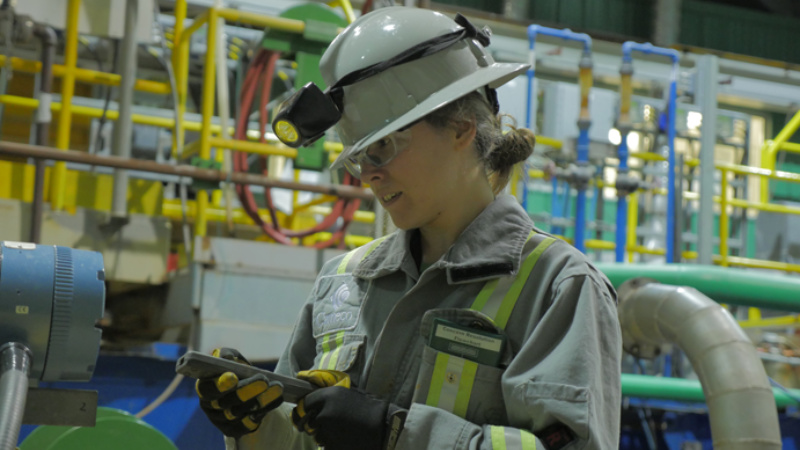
x,y
380,152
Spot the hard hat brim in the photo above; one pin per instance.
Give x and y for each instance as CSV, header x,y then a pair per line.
x,y
494,76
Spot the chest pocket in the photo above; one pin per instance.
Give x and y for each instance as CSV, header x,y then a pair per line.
x,y
464,387
336,313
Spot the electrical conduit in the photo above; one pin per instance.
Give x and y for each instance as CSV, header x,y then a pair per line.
x,y
48,39
15,362
582,173
672,103
741,405
123,129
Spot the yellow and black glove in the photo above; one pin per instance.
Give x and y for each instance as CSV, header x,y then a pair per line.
x,y
341,418
236,406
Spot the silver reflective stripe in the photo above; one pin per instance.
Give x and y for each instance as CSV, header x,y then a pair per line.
x,y
451,384
507,438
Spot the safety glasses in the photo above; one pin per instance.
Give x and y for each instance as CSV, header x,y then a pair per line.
x,y
380,152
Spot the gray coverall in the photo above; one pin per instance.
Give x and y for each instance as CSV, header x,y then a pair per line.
x,y
370,315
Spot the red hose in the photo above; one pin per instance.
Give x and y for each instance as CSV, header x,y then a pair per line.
x,y
261,72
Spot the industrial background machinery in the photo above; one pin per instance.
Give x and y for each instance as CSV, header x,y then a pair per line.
x,y
136,132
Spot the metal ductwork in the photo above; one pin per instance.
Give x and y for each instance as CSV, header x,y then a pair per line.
x,y
740,402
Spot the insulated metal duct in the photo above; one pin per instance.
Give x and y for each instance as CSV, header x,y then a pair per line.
x,y
740,402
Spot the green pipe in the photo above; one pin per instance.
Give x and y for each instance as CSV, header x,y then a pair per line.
x,y
723,285
644,386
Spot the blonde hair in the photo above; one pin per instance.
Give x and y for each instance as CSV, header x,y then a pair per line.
x,y
499,150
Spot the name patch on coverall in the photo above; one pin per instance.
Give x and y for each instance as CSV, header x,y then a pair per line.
x,y
337,305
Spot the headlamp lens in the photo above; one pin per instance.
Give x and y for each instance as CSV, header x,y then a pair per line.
x,y
286,132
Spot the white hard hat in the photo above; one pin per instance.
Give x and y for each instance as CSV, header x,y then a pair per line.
x,y
396,65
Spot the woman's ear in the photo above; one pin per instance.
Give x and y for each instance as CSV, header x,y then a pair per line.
x,y
464,133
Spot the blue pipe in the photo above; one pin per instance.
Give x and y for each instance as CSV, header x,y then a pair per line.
x,y
647,49
622,203
583,137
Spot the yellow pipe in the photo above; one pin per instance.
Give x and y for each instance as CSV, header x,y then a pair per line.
x,y
207,108
87,75
252,147
647,156
548,141
198,22
359,216
180,57
784,321
791,147
209,80
748,170
171,209
65,117
597,244
347,7
261,21
163,122
536,173
350,241
769,152
633,221
317,201
760,264
723,220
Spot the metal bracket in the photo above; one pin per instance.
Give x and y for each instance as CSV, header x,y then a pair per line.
x,y
66,407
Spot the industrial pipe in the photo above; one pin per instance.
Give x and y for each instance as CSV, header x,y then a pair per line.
x,y
123,128
623,180
15,363
725,285
47,36
683,390
59,174
582,173
196,173
741,406
672,104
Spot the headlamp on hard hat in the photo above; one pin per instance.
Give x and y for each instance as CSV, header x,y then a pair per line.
x,y
306,115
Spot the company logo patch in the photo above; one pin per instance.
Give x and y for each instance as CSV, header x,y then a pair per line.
x,y
338,305
340,296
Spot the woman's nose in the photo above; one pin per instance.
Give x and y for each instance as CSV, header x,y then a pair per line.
x,y
369,173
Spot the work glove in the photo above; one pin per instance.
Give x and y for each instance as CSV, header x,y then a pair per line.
x,y
237,406
340,418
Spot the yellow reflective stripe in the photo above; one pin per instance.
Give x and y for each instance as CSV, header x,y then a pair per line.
x,y
528,440
493,294
350,261
504,312
343,265
465,388
338,347
498,438
483,295
437,379
374,246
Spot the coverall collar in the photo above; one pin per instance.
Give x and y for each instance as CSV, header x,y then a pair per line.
x,y
490,247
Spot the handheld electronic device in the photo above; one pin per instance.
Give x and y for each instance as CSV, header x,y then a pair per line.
x,y
199,365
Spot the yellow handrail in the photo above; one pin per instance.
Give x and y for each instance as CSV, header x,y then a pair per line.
x,y
87,75
65,117
770,149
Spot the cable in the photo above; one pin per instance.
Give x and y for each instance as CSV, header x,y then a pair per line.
x,y
261,73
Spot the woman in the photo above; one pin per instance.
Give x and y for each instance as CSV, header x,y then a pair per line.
x,y
466,329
